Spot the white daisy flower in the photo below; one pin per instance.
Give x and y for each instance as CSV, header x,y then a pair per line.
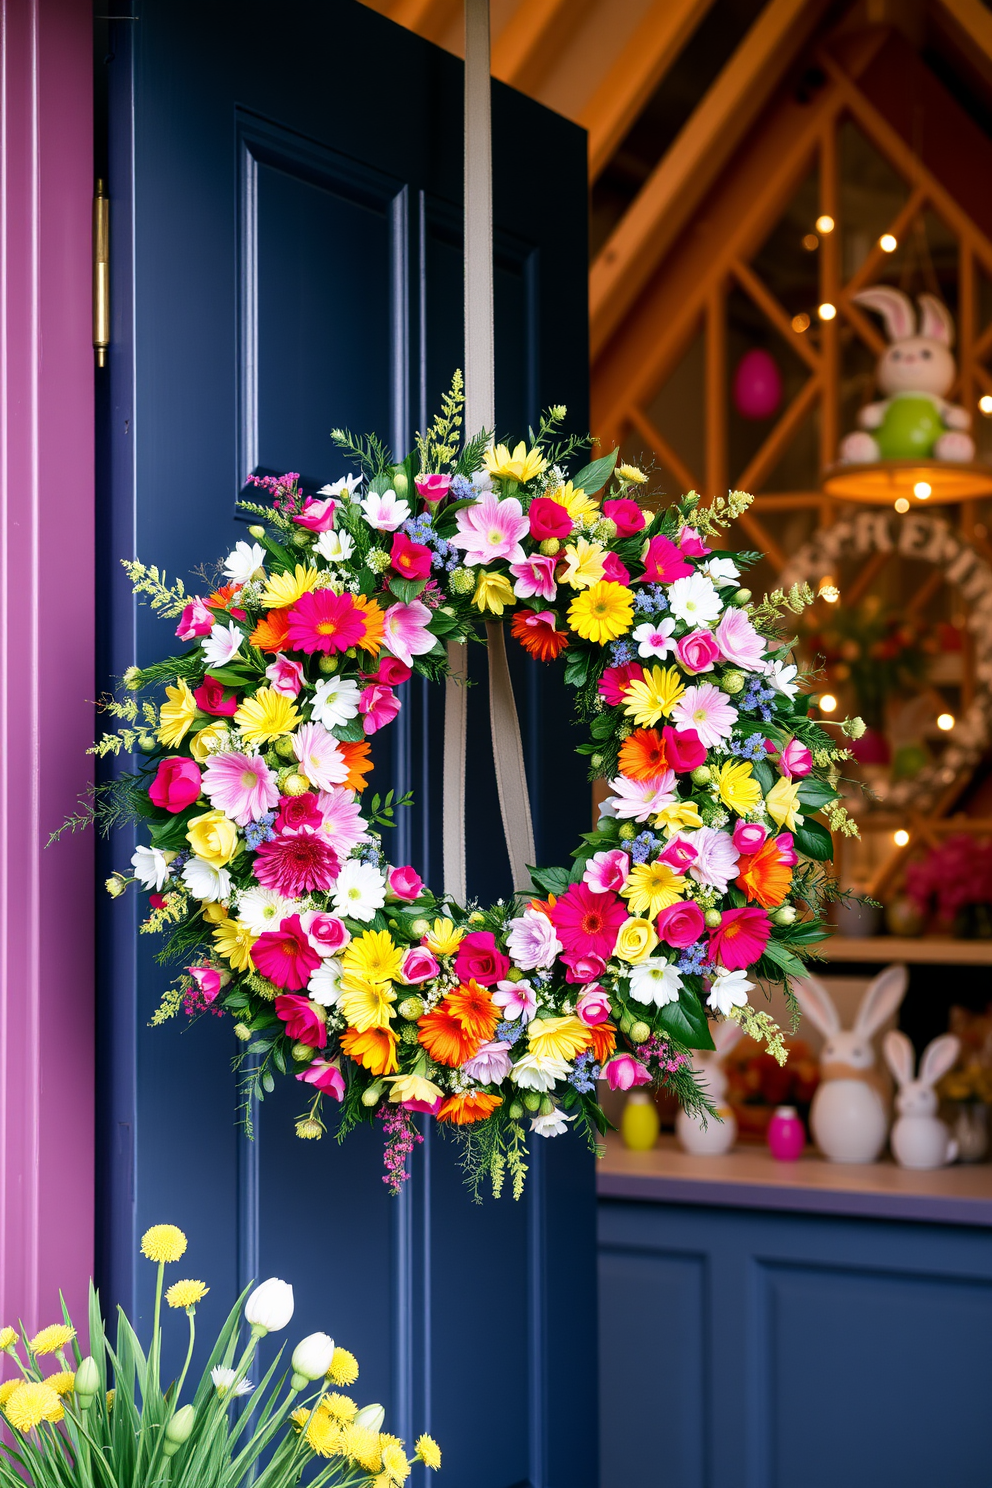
x,y
344,488
655,980
335,701
243,562
221,645
324,985
694,600
360,890
151,867
552,1125
205,882
264,909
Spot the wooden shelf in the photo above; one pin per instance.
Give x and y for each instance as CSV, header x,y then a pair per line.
x,y
925,950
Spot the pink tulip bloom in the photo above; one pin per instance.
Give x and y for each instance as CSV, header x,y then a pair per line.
x,y
209,980
405,631
795,761
176,785
491,529
593,1005
196,620
748,836
624,1071
325,1076
683,749
698,651
432,487
418,966
378,706
535,577
286,676
316,516
607,870
679,854
404,883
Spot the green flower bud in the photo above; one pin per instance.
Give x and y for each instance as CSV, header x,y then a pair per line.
x,y
411,1008
547,1106
854,728
626,1023
301,1053
400,483
409,1034
514,974
550,547
86,1382
627,832
732,683
284,749
292,783
328,665
742,596
639,1032
419,928
595,760
178,1430
373,1095
147,743
785,915
516,1111
462,581
701,774
301,539
605,530
256,530
713,919
242,1032
532,1100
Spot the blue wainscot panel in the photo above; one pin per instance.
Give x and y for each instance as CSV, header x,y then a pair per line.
x,y
742,1349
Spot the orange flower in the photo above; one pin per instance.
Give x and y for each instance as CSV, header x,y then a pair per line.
x,y
374,622
763,876
445,1037
473,1006
604,1041
221,598
375,1049
535,630
475,1105
356,757
272,632
545,906
642,755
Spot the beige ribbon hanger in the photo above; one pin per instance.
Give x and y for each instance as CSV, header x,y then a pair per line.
x,y
480,413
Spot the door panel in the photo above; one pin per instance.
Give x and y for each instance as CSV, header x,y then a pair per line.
x,y
285,188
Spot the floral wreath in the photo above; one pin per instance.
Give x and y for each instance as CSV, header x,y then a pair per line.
x,y
265,863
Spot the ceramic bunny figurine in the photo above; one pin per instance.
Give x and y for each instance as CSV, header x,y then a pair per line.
x,y
915,372
716,1137
849,1114
919,1139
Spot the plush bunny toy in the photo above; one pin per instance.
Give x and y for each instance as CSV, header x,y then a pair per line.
x,y
919,1139
849,1114
915,372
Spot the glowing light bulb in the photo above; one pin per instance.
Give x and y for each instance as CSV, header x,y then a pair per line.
x,y
922,490
800,323
901,504
945,721
827,703
825,223
900,838
888,243
826,311
984,402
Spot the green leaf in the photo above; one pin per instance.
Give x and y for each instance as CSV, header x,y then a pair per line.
x,y
776,952
764,775
406,589
686,1021
593,477
551,880
816,793
351,732
813,839
576,668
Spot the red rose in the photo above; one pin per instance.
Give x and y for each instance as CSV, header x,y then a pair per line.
x,y
548,519
177,784
302,1019
479,959
410,559
627,515
210,699
682,749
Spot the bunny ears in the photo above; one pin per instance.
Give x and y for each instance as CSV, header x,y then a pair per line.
x,y
896,309
938,1057
882,996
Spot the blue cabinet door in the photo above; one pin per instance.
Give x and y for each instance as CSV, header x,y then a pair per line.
x,y
285,184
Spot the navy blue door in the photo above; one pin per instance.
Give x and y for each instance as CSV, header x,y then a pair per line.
x,y
285,184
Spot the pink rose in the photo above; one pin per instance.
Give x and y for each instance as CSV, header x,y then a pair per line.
x,y
298,811
405,883
209,980
795,761
432,487
324,1075
788,853
286,676
613,569
682,749
209,698
391,672
177,784
593,1005
627,515
302,1019
748,836
480,959
409,559
691,544
418,966
583,966
607,870
663,563
316,516
378,706
196,620
548,519
623,1071
678,855
698,651
681,924
326,933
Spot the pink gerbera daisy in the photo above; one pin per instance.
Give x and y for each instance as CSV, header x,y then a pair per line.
x,y
323,621
297,863
740,939
343,826
615,681
706,710
587,921
285,955
240,785
320,755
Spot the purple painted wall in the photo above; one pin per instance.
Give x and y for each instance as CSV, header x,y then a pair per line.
x,y
46,656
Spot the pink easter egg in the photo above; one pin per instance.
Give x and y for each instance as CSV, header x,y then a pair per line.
x,y
757,389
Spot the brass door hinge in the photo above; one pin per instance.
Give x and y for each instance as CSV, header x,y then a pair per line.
x,y
101,274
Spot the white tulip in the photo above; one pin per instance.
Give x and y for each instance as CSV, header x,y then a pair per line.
x,y
312,1358
371,1417
270,1306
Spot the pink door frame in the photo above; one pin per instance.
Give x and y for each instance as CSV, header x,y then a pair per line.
x,y
46,656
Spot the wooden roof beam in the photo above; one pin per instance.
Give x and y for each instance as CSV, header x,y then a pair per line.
x,y
635,75
684,174
532,39
971,27
429,18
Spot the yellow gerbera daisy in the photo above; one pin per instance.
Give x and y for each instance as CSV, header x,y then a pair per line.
x,y
653,696
493,592
177,714
366,1004
522,466
783,804
373,955
632,473
443,938
62,1383
343,1371
429,1452
602,613
186,1293
574,500
651,887
557,1038
285,589
266,716
30,1404
234,942
163,1242
584,564
738,789
52,1338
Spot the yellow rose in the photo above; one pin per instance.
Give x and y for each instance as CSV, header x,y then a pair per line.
x,y
207,740
636,941
213,837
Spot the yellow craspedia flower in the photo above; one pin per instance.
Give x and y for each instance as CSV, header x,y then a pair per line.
x,y
208,741
163,1242
52,1338
285,589
602,613
373,955
522,466
363,1447
679,817
234,942
324,1435
574,500
557,1038
783,804
7,1389
30,1404
186,1293
651,887
213,837
428,1451
635,941
343,1371
177,714
111,1397
584,565
366,1004
493,592
653,696
299,1417
341,1407
443,938
738,789
394,1461
62,1383
8,1339
632,473
266,716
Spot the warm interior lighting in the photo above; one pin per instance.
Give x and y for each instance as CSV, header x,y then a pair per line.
x,y
984,402
922,490
800,323
826,311
830,593
945,721
901,505
888,243
900,838
811,241
827,703
825,224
